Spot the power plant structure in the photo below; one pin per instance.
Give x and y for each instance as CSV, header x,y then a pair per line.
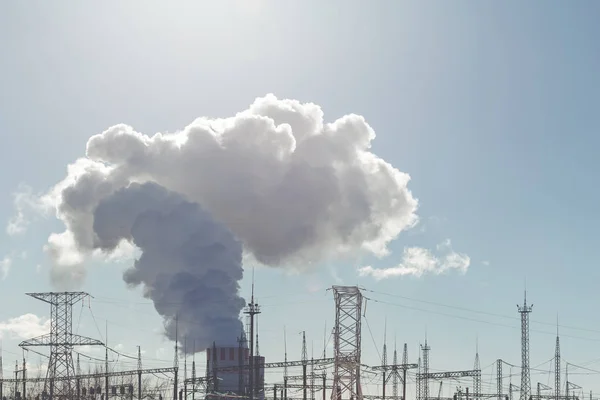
x,y
237,370
228,370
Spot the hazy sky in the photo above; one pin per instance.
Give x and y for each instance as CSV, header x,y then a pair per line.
x,y
492,108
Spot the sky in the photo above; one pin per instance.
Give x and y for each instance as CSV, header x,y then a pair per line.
x,y
491,109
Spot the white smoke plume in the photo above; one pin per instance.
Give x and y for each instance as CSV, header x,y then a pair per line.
x,y
292,189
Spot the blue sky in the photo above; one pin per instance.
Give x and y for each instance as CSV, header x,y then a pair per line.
x,y
491,108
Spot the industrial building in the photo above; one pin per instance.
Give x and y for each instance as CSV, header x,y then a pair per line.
x,y
229,368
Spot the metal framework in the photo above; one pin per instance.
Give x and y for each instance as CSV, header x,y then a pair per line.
x,y
384,362
405,362
557,366
450,374
423,380
499,378
279,364
347,343
152,371
395,375
61,341
83,392
540,387
525,310
252,310
477,378
419,372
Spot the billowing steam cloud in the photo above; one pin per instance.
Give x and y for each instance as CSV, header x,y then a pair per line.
x,y
187,260
292,189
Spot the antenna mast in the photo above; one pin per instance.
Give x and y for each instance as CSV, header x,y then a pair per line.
x,y
252,309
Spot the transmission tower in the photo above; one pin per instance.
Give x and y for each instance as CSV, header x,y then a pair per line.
x,y
347,343
557,365
425,381
61,341
477,378
499,378
525,310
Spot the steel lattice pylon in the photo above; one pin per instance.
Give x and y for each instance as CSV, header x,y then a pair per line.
x,y
347,342
477,378
425,371
557,366
525,310
499,378
61,341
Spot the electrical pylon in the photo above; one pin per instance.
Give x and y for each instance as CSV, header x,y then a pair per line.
x,y
425,380
61,341
557,365
525,310
347,343
499,378
477,378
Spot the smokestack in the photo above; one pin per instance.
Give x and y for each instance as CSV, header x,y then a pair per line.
x,y
291,189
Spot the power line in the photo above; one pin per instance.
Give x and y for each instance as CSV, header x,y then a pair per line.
x,y
553,324
478,320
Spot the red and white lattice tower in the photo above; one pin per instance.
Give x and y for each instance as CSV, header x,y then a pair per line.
x,y
347,336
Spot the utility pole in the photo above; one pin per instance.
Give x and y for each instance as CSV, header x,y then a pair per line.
x,y
106,362
176,357
404,362
419,378
1,374
395,372
525,310
285,368
194,371
185,349
78,380
304,365
24,378
384,359
139,374
312,372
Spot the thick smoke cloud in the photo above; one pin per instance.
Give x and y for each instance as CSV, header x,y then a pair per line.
x,y
292,189
190,265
